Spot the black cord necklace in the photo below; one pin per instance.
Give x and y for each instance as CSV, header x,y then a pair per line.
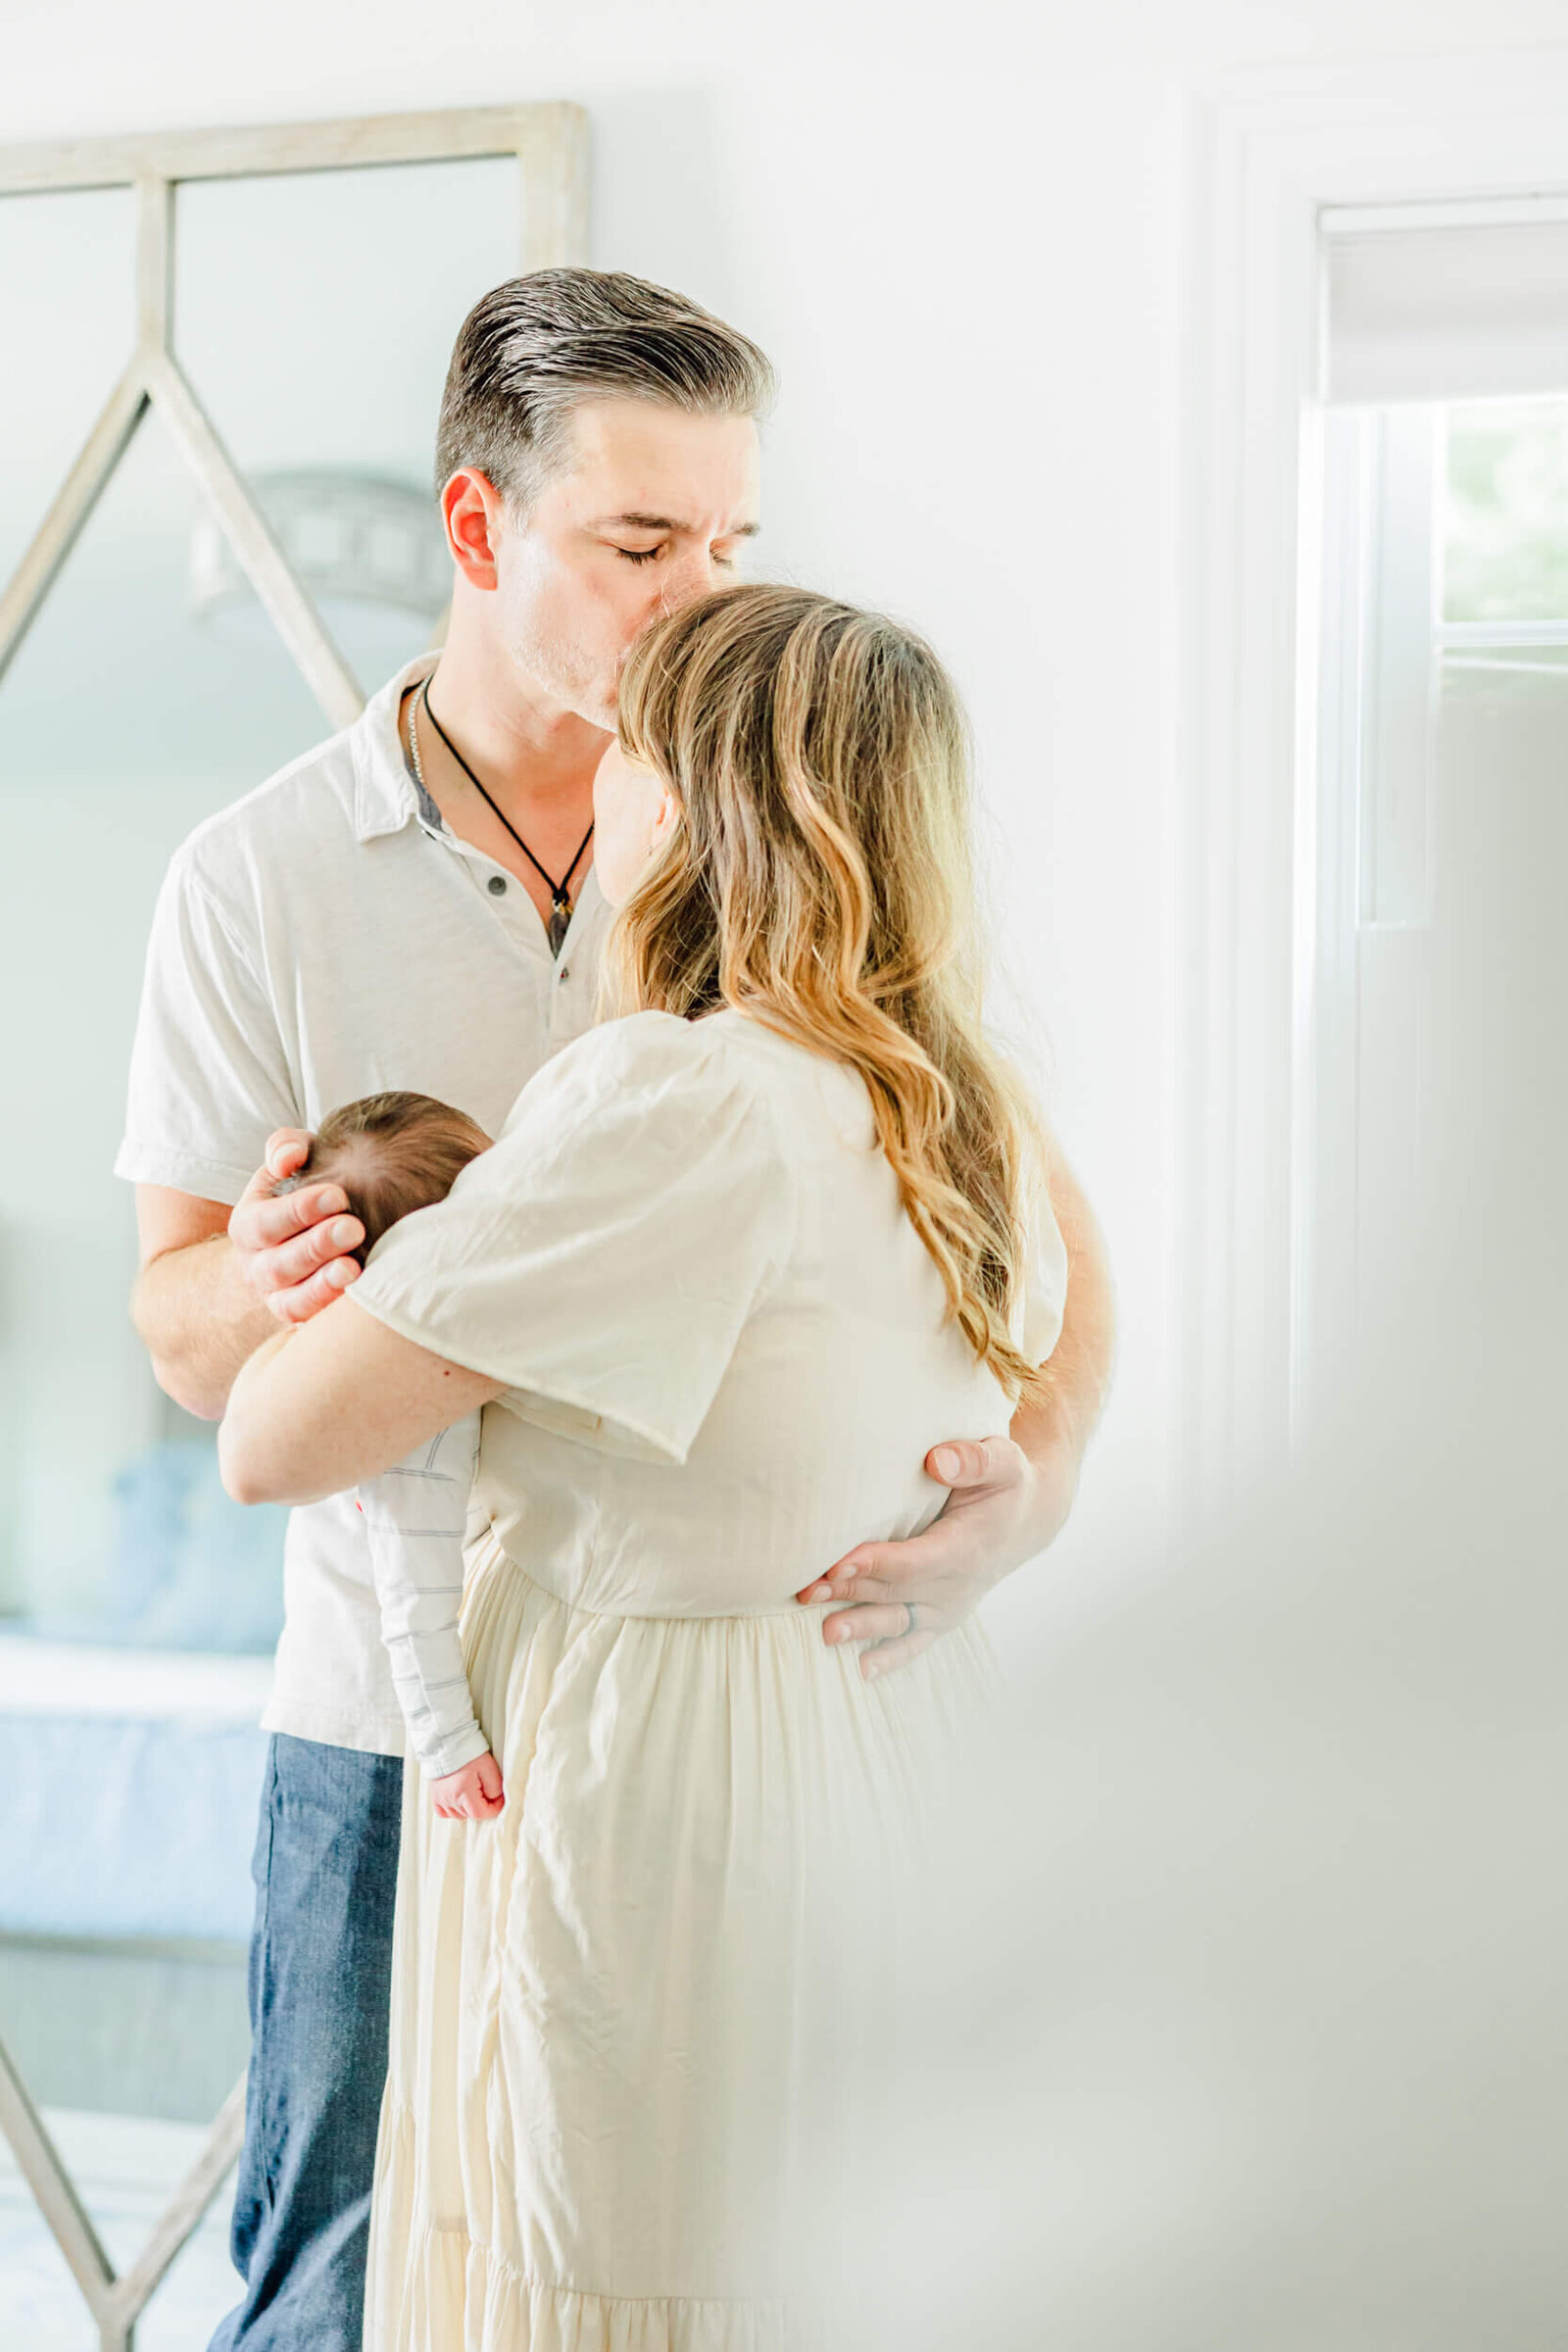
x,y
559,892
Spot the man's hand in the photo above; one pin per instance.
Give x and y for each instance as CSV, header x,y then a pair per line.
x,y
290,1248
1004,1506
473,1793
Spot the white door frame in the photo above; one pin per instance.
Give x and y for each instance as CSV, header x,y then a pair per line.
x,y
1268,153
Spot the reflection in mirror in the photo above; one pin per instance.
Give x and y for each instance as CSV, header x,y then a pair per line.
x,y
68,281
131,1773
314,314
124,720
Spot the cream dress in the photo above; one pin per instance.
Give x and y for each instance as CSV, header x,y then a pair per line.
x,y
628,2016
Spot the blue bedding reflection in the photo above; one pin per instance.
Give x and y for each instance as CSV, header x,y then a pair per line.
x,y
190,1569
130,1781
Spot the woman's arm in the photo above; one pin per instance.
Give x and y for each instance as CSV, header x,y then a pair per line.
x,y
341,1399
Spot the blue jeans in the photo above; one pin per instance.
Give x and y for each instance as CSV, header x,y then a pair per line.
x,y
320,1967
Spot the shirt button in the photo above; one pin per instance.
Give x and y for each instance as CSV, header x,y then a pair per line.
x,y
497,886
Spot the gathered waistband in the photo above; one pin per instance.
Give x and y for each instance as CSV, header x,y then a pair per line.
x,y
487,1552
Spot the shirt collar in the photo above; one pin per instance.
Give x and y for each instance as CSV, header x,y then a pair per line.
x,y
386,796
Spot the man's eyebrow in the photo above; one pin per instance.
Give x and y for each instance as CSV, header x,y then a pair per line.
x,y
666,522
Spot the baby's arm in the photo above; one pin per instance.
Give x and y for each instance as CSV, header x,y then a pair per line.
x,y
414,1516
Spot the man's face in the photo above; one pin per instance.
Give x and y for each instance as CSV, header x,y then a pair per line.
x,y
651,511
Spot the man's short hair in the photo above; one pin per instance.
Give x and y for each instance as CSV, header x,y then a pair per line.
x,y
533,350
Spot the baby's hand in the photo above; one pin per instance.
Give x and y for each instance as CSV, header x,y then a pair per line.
x,y
471,1793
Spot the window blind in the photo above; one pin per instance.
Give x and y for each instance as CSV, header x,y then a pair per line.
x,y
1455,311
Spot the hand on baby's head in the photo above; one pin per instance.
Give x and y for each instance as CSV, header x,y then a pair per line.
x,y
473,1792
389,1154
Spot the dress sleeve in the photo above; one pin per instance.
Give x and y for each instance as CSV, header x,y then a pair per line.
x,y
209,1080
603,1258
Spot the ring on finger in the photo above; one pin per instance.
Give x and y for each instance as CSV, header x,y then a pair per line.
x,y
912,1612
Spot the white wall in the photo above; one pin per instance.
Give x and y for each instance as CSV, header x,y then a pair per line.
x,y
957,229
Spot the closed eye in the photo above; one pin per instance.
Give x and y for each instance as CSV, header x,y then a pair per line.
x,y
648,555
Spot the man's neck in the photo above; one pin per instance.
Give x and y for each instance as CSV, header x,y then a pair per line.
x,y
535,758
537,765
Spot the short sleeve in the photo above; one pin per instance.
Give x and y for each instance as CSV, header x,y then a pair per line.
x,y
1045,1297
209,1080
604,1257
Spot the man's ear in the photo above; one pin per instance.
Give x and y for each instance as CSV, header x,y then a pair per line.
x,y
472,512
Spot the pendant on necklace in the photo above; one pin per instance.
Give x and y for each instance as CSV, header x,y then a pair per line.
x,y
557,927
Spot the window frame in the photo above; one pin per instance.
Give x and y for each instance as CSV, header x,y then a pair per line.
x,y
1273,156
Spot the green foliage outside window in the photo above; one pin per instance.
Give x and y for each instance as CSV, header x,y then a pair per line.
x,y
1505,519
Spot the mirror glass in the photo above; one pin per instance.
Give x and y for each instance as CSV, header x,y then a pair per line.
x,y
314,314
67,283
127,716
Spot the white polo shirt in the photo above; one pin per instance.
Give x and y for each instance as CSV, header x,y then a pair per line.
x,y
326,938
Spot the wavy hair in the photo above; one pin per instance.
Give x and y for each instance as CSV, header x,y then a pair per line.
x,y
820,880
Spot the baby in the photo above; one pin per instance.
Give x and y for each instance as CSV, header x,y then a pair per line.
x,y
392,1153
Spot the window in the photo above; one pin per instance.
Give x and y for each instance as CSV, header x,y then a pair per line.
x,y
1440,824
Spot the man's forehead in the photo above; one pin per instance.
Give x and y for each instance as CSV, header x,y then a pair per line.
x,y
642,465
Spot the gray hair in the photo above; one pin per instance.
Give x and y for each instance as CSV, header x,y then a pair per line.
x,y
531,351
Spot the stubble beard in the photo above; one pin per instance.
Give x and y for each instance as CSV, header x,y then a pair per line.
x,y
567,675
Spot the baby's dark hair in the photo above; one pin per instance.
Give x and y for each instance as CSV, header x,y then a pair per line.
x,y
392,1153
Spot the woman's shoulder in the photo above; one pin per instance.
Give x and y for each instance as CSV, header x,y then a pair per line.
x,y
734,1056
662,1068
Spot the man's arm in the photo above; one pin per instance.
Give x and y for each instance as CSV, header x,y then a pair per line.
x,y
216,1282
1055,1425
1010,1497
208,1076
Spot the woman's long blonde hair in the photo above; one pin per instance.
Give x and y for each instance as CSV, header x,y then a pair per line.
x,y
820,879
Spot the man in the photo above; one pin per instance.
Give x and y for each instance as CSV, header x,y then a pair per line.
x,y
414,906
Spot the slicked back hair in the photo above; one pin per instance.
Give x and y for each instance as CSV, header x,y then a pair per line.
x,y
532,350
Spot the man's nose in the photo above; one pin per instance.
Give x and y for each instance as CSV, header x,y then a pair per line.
x,y
692,574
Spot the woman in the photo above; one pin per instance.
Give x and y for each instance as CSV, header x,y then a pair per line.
x,y
736,1261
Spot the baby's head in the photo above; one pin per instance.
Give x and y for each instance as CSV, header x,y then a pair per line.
x,y
391,1154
